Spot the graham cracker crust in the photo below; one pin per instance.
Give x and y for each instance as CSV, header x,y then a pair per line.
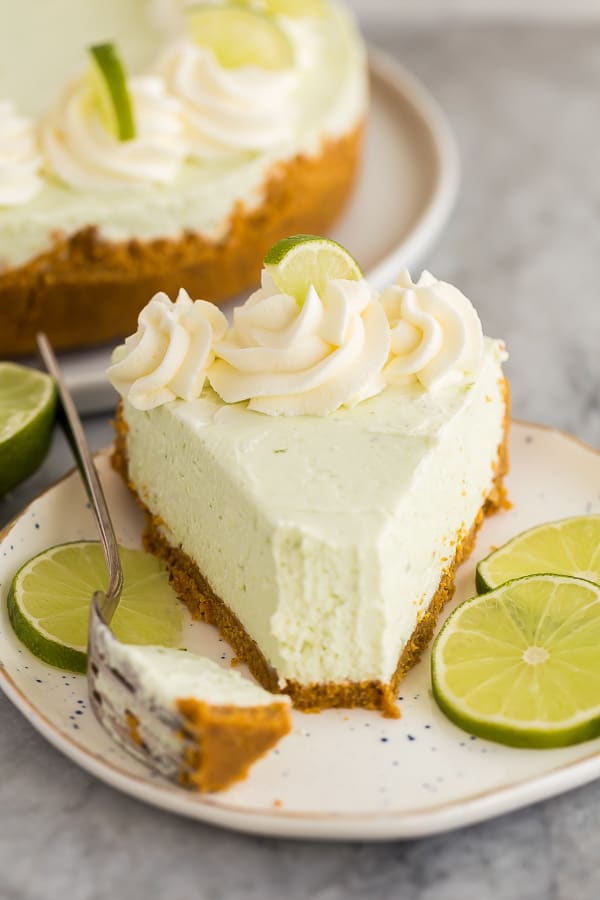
x,y
195,591
86,290
228,740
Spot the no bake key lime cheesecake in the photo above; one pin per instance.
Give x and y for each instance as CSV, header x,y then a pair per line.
x,y
175,157
314,473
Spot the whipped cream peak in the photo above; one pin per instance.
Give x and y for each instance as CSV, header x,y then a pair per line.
x,y
343,344
436,334
82,153
287,359
228,111
169,355
20,159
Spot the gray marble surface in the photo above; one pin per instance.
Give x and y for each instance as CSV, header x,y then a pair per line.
x,y
524,244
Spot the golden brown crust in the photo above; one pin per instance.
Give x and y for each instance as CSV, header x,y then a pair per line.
x,y
86,290
204,604
228,740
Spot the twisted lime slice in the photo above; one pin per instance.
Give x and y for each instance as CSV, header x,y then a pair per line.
x,y
565,547
521,664
27,404
296,263
109,90
49,602
240,36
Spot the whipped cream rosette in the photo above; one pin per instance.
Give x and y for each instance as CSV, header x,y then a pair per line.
x,y
308,359
20,159
228,110
82,152
436,334
168,356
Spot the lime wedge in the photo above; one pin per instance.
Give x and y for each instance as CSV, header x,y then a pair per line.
x,y
240,36
27,404
520,665
108,86
297,262
49,602
566,547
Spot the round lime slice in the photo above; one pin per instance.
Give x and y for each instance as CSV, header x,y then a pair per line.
x,y
240,36
110,93
27,405
49,602
566,547
297,262
521,664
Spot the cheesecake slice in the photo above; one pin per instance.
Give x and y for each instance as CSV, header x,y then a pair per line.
x,y
323,547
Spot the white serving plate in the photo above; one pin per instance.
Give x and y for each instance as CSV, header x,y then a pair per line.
x,y
342,773
403,198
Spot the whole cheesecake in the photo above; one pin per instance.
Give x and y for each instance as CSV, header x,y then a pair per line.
x,y
314,496
226,160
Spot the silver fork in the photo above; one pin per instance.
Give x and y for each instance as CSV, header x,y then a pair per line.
x,y
143,724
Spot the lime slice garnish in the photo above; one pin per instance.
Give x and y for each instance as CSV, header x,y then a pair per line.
x,y
110,93
521,665
49,602
304,259
566,547
239,36
27,404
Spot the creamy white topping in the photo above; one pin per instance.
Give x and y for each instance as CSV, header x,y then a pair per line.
x,y
229,110
288,359
436,335
84,154
169,354
20,159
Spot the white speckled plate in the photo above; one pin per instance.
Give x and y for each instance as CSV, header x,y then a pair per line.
x,y
403,198
340,774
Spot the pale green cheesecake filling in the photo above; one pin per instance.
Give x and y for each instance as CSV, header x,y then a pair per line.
x,y
331,100
326,536
165,676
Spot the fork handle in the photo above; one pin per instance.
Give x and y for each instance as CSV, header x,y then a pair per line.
x,y
71,424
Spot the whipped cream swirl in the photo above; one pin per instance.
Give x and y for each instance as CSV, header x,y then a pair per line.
x,y
168,356
436,335
288,359
228,111
83,153
20,159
